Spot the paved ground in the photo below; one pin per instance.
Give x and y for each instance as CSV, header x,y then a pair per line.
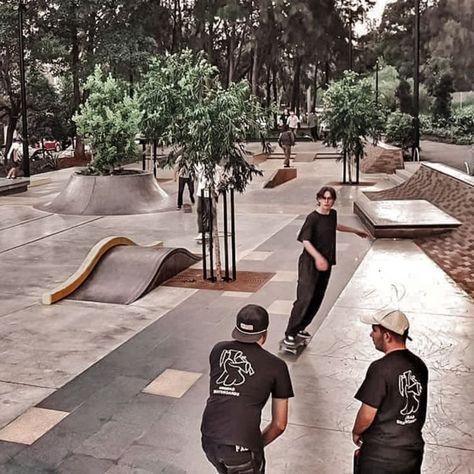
x,y
82,369
449,154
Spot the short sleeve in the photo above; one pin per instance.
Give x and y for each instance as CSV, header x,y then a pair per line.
x,y
282,387
306,232
373,389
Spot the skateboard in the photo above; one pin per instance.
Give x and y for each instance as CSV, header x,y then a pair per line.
x,y
300,344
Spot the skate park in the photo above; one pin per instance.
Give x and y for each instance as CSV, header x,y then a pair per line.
x,y
112,388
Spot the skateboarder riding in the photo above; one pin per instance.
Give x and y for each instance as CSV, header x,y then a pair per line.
x,y
318,236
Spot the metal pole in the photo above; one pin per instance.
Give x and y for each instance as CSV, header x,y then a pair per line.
x,y
232,230
154,158
357,168
226,243
203,239
211,242
350,40
416,81
377,82
143,155
344,160
24,118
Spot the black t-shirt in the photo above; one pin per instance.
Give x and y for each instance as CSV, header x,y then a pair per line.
x,y
320,230
397,385
242,378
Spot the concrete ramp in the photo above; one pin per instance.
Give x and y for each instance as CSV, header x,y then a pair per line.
x,y
127,273
116,270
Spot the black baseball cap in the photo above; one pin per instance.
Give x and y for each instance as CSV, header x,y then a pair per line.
x,y
251,324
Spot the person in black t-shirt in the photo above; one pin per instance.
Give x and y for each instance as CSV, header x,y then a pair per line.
x,y
318,236
242,377
394,394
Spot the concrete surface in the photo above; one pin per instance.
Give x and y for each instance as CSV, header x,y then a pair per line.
x,y
93,361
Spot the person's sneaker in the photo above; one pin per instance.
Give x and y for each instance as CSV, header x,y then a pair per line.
x,y
289,341
304,334
178,208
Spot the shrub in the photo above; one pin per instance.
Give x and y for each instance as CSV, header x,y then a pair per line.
x,y
400,131
109,120
463,120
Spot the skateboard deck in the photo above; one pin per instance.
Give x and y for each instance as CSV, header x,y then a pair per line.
x,y
301,343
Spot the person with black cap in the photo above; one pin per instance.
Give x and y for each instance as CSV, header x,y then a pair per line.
x,y
388,426
242,377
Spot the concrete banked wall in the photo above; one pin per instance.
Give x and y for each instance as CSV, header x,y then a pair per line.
x,y
453,192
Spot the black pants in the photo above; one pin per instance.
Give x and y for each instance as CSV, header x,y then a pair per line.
x,y
232,460
314,133
379,460
181,184
310,292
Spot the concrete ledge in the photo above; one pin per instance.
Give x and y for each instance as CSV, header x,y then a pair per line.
x,y
404,218
12,186
280,176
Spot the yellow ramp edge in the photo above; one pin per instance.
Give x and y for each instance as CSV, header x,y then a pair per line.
x,y
82,273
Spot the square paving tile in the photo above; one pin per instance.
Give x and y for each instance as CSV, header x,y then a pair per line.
x,y
172,383
30,426
281,307
285,276
237,294
259,256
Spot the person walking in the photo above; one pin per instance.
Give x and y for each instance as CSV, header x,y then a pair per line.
x,y
388,426
242,377
286,140
185,177
14,158
318,236
313,124
293,122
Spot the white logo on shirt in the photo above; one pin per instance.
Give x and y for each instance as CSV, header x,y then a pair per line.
x,y
411,389
236,368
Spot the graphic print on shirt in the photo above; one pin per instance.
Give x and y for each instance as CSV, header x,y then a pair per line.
x,y
410,389
235,370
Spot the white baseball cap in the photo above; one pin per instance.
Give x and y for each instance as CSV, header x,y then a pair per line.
x,y
392,319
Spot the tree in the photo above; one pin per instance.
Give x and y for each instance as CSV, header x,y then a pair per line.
x,y
352,116
404,96
440,83
110,120
186,106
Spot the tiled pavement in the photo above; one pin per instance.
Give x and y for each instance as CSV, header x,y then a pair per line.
x,y
91,366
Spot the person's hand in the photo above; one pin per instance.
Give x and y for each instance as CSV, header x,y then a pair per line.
x,y
321,264
363,233
357,439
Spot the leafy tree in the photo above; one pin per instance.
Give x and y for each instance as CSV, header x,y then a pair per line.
x,y
400,131
110,120
440,83
186,106
404,96
352,116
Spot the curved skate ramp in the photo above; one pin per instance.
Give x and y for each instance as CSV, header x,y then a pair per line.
x,y
118,271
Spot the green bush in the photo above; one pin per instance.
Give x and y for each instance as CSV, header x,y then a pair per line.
x,y
463,120
109,121
399,130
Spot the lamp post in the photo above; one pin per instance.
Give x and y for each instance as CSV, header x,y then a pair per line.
x,y
377,82
26,158
416,84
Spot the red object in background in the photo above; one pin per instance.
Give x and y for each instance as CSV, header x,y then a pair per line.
x,y
51,145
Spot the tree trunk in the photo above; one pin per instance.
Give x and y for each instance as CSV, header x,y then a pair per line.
x,y
75,61
295,90
230,56
255,69
315,85
268,93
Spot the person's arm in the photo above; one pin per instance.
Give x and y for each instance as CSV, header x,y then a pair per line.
x,y
279,420
360,232
321,263
365,417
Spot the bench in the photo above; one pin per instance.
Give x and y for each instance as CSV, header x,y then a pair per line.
x,y
12,186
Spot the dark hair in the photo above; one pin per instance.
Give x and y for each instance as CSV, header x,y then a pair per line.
x,y
396,336
320,194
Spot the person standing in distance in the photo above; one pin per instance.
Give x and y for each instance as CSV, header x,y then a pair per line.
x,y
388,425
243,375
293,122
286,140
318,236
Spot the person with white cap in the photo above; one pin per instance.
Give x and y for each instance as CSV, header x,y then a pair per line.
x,y
242,377
388,426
